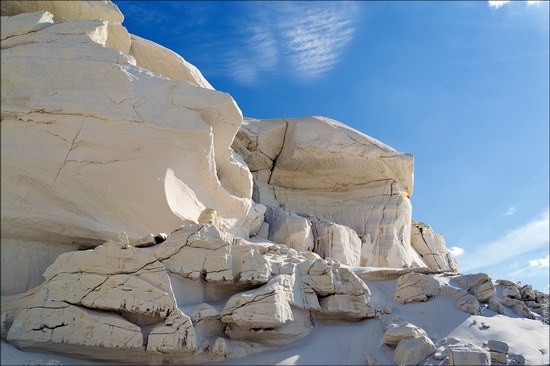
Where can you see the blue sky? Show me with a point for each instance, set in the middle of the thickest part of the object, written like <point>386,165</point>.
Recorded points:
<point>464,86</point>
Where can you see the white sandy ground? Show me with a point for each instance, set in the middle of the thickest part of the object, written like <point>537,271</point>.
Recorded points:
<point>332,342</point>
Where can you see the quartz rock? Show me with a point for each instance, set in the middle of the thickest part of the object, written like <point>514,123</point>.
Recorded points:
<point>497,346</point>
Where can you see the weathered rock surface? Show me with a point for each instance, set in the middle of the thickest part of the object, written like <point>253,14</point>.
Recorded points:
<point>431,247</point>
<point>468,354</point>
<point>323,168</point>
<point>289,228</point>
<point>162,61</point>
<point>414,287</point>
<point>480,285</point>
<point>396,332</point>
<point>103,108</point>
<point>411,351</point>
<point>118,36</point>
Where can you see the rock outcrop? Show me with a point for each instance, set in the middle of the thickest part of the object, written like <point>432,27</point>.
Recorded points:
<point>144,221</point>
<point>109,123</point>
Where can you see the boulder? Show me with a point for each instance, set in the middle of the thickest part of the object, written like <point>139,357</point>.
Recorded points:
<point>469,304</point>
<point>336,241</point>
<point>396,332</point>
<point>467,354</point>
<point>480,285</point>
<point>412,351</point>
<point>497,346</point>
<point>415,287</point>
<point>287,227</point>
<point>270,314</point>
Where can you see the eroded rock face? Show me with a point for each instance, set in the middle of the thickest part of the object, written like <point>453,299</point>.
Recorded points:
<point>431,247</point>
<point>480,285</point>
<point>414,287</point>
<point>323,168</point>
<point>108,123</point>
<point>396,332</point>
<point>411,351</point>
<point>468,354</point>
<point>63,11</point>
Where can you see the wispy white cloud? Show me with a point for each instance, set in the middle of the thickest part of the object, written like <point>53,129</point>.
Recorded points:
<point>497,3</point>
<point>261,55</point>
<point>315,37</point>
<point>456,251</point>
<point>511,210</point>
<point>305,39</point>
<point>540,262</point>
<point>531,236</point>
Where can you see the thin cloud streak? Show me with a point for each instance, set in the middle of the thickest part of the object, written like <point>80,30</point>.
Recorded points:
<point>497,3</point>
<point>524,239</point>
<point>315,38</point>
<point>308,40</point>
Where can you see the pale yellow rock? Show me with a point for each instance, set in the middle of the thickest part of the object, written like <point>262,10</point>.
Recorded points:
<point>162,61</point>
<point>431,247</point>
<point>469,304</point>
<point>336,241</point>
<point>175,335</point>
<point>328,170</point>
<point>412,351</point>
<point>415,287</point>
<point>77,10</point>
<point>61,325</point>
<point>289,228</point>
<point>480,285</point>
<point>467,354</point>
<point>395,332</point>
<point>108,121</point>
<point>24,23</point>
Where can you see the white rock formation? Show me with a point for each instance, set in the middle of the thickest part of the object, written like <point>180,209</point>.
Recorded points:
<point>480,285</point>
<point>468,354</point>
<point>431,247</point>
<point>321,167</point>
<point>62,11</point>
<point>396,332</point>
<point>276,227</point>
<point>411,351</point>
<point>89,138</point>
<point>414,287</point>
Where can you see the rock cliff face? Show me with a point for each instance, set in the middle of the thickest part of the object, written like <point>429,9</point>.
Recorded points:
<point>141,216</point>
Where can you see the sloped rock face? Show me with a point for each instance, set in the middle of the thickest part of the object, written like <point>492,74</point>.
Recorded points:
<point>121,298</point>
<point>321,168</point>
<point>118,36</point>
<point>431,247</point>
<point>114,148</point>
